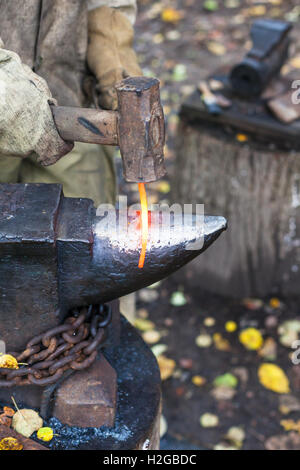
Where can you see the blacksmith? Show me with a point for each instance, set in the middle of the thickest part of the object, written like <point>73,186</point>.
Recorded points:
<point>66,52</point>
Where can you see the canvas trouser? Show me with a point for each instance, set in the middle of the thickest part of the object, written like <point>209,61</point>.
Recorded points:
<point>87,171</point>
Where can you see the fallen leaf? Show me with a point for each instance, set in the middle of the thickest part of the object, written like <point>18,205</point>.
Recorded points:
<point>241,138</point>
<point>288,403</point>
<point>26,422</point>
<point>290,425</point>
<point>226,380</point>
<point>221,343</point>
<point>177,299</point>
<point>289,441</point>
<point>151,337</point>
<point>274,303</point>
<point>269,349</point>
<point>242,374</point>
<point>289,332</point>
<point>230,326</point>
<point>251,338</point>
<point>257,10</point>
<point>232,3</point>
<point>170,15</point>
<point>252,304</point>
<point>166,367</point>
<point>273,378</point>
<point>10,443</point>
<point>159,349</point>
<point>143,324</point>
<point>8,411</point>
<point>211,5</point>
<point>222,446</point>
<point>203,341</point>
<point>216,48</point>
<point>179,73</point>
<point>8,362</point>
<point>208,420</point>
<point>45,434</point>
<point>198,380</point>
<point>148,295</point>
<point>295,62</point>
<point>236,436</point>
<point>186,363</point>
<point>209,321</point>
<point>163,187</point>
<point>142,313</point>
<point>223,393</point>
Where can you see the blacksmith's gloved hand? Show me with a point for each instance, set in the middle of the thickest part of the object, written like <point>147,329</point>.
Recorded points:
<point>26,122</point>
<point>110,52</point>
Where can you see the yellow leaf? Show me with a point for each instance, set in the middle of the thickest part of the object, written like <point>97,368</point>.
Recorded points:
<point>45,434</point>
<point>143,324</point>
<point>198,380</point>
<point>170,15</point>
<point>230,326</point>
<point>10,443</point>
<point>8,411</point>
<point>216,48</point>
<point>257,10</point>
<point>295,62</point>
<point>166,367</point>
<point>221,343</point>
<point>273,378</point>
<point>274,302</point>
<point>241,137</point>
<point>251,338</point>
<point>290,425</point>
<point>164,187</point>
<point>8,362</point>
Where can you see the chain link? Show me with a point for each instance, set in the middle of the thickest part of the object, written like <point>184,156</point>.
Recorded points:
<point>72,345</point>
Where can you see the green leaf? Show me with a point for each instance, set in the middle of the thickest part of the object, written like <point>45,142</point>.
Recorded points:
<point>211,5</point>
<point>177,299</point>
<point>227,380</point>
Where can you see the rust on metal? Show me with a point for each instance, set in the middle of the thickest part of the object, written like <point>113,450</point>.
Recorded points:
<point>73,345</point>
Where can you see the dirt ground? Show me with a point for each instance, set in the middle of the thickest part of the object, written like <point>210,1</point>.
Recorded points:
<point>180,52</point>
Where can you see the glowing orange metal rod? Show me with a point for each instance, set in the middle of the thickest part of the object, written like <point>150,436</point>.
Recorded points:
<point>144,216</point>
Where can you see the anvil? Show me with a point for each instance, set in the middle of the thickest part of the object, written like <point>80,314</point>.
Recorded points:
<point>57,253</point>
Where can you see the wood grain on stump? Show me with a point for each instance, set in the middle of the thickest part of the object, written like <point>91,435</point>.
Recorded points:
<point>258,191</point>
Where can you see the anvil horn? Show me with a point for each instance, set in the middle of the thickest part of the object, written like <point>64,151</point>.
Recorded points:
<point>56,254</point>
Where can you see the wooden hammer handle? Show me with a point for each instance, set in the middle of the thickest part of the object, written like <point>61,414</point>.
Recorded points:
<point>93,126</point>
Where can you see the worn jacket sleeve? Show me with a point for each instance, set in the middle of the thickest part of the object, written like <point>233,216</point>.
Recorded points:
<point>26,122</point>
<point>128,7</point>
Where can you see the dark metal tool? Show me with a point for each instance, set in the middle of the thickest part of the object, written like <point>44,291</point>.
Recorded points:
<point>269,51</point>
<point>56,254</point>
<point>137,127</point>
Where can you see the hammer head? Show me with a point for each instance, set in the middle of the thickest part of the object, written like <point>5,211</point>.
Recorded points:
<point>141,129</point>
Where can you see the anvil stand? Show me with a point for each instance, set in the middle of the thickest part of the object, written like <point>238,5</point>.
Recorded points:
<point>113,404</point>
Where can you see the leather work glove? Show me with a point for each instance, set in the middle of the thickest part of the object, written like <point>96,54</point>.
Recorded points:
<point>26,122</point>
<point>110,54</point>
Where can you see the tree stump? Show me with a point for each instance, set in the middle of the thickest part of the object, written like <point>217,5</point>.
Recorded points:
<point>257,189</point>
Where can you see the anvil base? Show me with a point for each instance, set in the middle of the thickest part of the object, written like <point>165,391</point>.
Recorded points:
<point>138,402</point>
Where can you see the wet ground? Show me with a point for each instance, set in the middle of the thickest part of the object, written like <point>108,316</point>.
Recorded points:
<point>180,52</point>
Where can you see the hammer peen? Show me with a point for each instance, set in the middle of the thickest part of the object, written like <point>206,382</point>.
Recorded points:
<point>137,127</point>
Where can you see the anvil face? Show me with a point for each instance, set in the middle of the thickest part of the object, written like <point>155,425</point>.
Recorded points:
<point>56,254</point>
<point>172,243</point>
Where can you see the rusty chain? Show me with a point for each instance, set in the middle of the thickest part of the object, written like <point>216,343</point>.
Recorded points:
<point>71,345</point>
